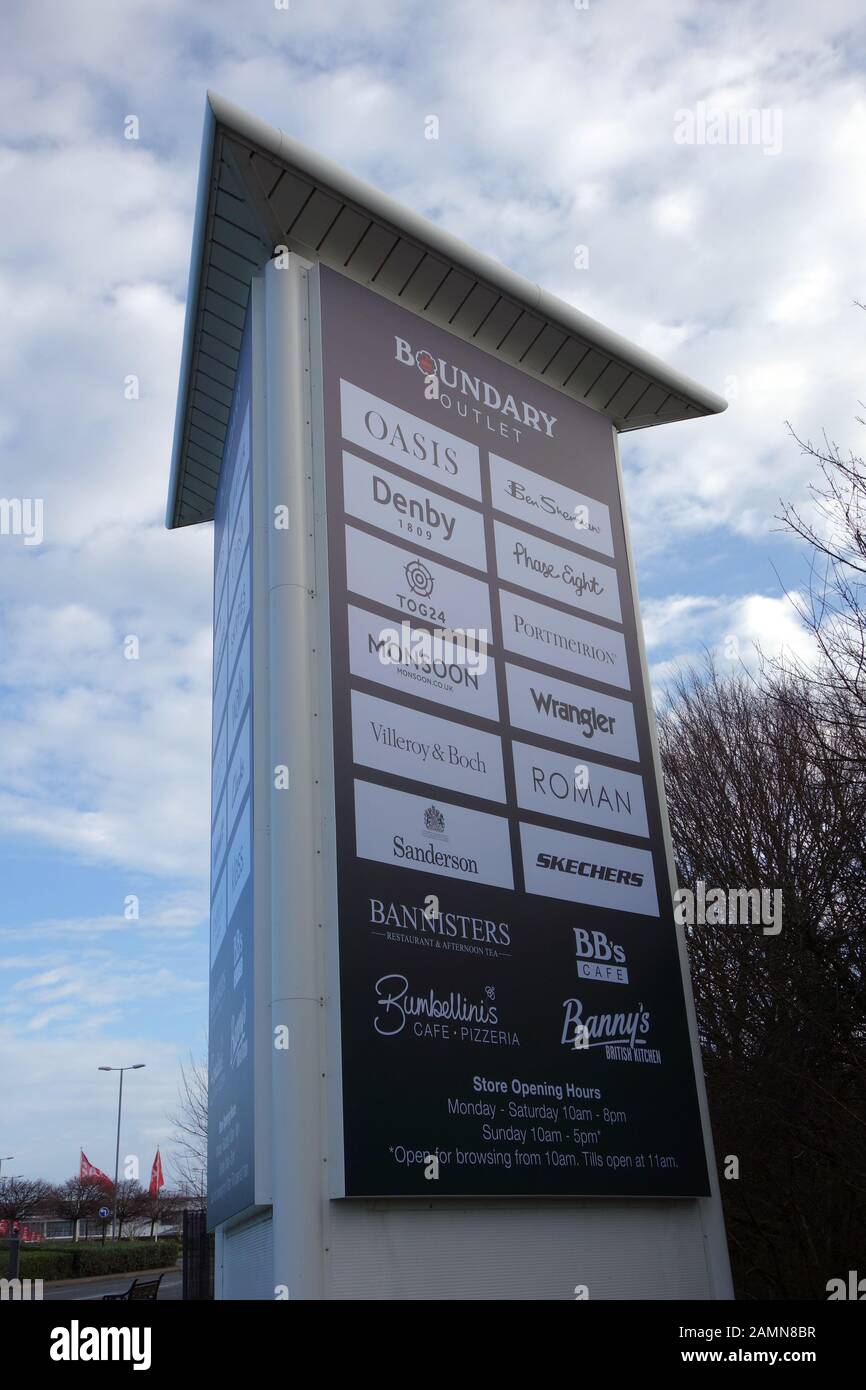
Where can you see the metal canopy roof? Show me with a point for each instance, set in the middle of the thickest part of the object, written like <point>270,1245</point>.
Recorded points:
<point>259,188</point>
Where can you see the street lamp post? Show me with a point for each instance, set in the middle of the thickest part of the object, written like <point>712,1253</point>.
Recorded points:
<point>5,1159</point>
<point>136,1066</point>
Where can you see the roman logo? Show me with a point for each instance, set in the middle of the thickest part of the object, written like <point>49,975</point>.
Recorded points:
<point>629,877</point>
<point>563,788</point>
<point>484,392</point>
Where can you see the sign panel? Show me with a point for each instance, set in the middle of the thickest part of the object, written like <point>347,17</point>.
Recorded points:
<point>230,1041</point>
<point>511,1004</point>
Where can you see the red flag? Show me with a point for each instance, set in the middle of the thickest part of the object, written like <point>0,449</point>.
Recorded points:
<point>88,1173</point>
<point>156,1179</point>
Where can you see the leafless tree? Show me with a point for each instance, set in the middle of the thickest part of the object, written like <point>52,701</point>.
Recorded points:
<point>77,1199</point>
<point>20,1198</point>
<point>761,795</point>
<point>190,1129</point>
<point>132,1203</point>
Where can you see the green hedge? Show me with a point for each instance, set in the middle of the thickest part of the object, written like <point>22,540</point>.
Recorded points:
<point>89,1258</point>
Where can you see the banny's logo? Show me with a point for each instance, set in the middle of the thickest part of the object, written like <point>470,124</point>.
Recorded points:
<point>434,821</point>
<point>419,578</point>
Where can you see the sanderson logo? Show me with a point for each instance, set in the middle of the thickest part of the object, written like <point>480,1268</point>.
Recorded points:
<point>483,392</point>
<point>434,821</point>
<point>434,826</point>
<point>584,869</point>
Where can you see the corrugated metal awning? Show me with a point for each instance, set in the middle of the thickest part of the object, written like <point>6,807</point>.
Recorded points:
<point>258,188</point>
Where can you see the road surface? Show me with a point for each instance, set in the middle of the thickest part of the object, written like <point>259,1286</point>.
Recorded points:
<point>90,1290</point>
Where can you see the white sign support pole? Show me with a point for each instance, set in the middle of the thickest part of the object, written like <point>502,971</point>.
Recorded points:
<point>296,1004</point>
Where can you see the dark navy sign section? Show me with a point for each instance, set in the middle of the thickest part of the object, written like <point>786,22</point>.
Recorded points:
<point>512,1009</point>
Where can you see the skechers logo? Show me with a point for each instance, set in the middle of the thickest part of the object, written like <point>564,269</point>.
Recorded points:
<point>584,869</point>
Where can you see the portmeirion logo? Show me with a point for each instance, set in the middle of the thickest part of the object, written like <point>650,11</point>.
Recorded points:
<point>473,398</point>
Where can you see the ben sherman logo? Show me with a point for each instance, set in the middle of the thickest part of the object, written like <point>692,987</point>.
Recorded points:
<point>473,388</point>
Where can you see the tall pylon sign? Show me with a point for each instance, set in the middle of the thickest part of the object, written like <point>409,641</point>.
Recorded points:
<point>445,974</point>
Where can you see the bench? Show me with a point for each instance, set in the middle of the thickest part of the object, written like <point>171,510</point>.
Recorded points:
<point>139,1290</point>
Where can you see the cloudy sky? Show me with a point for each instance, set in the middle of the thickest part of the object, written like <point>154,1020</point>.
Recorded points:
<point>558,129</point>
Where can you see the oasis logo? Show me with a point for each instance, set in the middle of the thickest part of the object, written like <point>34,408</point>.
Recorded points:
<point>584,869</point>
<point>598,959</point>
<point>588,717</point>
<point>473,388</point>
